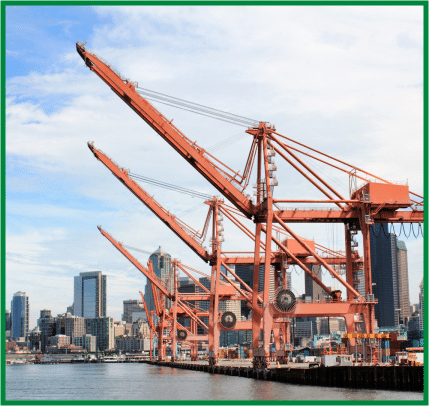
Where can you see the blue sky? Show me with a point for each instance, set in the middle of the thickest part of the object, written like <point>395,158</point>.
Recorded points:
<point>345,80</point>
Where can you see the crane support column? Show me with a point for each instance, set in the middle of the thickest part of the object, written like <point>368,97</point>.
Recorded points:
<point>174,327</point>
<point>349,264</point>
<point>214,291</point>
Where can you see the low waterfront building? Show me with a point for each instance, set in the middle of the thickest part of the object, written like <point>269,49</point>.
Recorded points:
<point>60,340</point>
<point>132,344</point>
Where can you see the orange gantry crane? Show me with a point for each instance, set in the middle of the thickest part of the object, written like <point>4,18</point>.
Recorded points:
<point>376,201</point>
<point>292,254</point>
<point>180,307</point>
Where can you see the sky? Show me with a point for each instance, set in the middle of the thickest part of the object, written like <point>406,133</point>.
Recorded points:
<point>347,81</point>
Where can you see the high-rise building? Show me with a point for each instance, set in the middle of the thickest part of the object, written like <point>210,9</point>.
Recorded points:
<point>8,324</point>
<point>421,306</point>
<point>47,326</point>
<point>90,295</point>
<point>359,281</point>
<point>389,272</point>
<point>161,263</point>
<point>131,306</point>
<point>233,306</point>
<point>312,289</point>
<point>20,312</point>
<point>102,328</point>
<point>74,326</point>
<point>34,339</point>
<point>187,285</point>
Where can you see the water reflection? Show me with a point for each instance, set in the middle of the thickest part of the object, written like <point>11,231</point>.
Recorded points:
<point>148,382</point>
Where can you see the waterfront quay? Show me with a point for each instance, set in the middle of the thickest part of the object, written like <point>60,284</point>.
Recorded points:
<point>397,377</point>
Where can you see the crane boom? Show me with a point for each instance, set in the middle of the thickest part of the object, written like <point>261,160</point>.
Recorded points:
<point>149,320</point>
<point>223,180</point>
<point>136,263</point>
<point>179,228</point>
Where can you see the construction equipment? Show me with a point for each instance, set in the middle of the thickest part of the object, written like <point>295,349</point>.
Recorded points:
<point>376,201</point>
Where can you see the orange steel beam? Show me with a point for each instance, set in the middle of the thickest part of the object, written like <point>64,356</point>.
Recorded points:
<point>334,309</point>
<point>250,290</point>
<point>306,166</point>
<point>244,294</point>
<point>339,216</point>
<point>278,259</point>
<point>201,273</point>
<point>195,280</point>
<point>136,263</point>
<point>191,315</point>
<point>190,151</point>
<point>182,230</point>
<point>241,226</point>
<point>303,267</point>
<point>320,259</point>
<point>308,177</point>
<point>156,293</point>
<point>149,319</point>
<point>335,159</point>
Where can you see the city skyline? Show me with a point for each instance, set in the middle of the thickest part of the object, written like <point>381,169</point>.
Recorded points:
<point>352,92</point>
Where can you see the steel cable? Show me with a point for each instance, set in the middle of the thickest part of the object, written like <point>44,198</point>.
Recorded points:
<point>193,111</point>
<point>405,232</point>
<point>384,231</point>
<point>400,230</point>
<point>412,228</point>
<point>373,232</point>
<point>192,104</point>
<point>226,142</point>
<point>197,108</point>
<point>170,186</point>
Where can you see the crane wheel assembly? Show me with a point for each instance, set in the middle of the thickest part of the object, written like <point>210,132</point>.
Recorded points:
<point>228,320</point>
<point>285,300</point>
<point>182,335</point>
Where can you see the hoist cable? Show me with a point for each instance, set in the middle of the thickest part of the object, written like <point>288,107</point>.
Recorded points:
<point>373,231</point>
<point>412,227</point>
<point>384,232</point>
<point>400,229</point>
<point>201,114</point>
<point>137,249</point>
<point>226,142</point>
<point>170,186</point>
<point>198,108</point>
<point>193,105</point>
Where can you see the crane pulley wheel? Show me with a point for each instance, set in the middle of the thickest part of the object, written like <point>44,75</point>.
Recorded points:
<point>182,334</point>
<point>228,320</point>
<point>285,300</point>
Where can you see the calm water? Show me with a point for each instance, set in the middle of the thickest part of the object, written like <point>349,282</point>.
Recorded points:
<point>149,382</point>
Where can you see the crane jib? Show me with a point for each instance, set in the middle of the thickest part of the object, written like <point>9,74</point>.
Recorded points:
<point>190,151</point>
